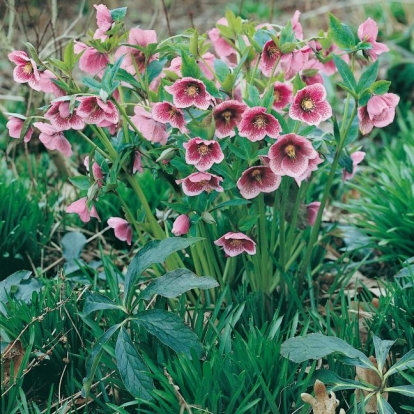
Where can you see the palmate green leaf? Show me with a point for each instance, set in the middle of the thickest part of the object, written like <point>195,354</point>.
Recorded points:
<point>171,330</point>
<point>340,34</point>
<point>176,282</point>
<point>383,406</point>
<point>345,72</point>
<point>407,361</point>
<point>132,369</point>
<point>407,390</point>
<point>382,348</point>
<point>96,301</point>
<point>317,346</point>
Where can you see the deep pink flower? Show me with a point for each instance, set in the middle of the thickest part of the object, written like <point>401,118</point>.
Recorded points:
<point>256,124</point>
<point>227,115</point>
<point>81,207</point>
<point>312,210</point>
<point>203,153</point>
<point>122,229</point>
<point>150,129</point>
<point>379,112</point>
<point>312,166</point>
<point>270,57</point>
<point>165,112</point>
<point>181,225</point>
<point>236,243</point>
<point>357,158</point>
<point>137,165</point>
<point>283,93</point>
<point>92,61</point>
<point>95,111</point>
<point>62,119</point>
<point>189,91</point>
<point>310,105</point>
<point>290,155</point>
<point>256,180</point>
<point>53,139</point>
<point>198,182</point>
<point>26,70</point>
<point>15,125</point>
<point>368,32</point>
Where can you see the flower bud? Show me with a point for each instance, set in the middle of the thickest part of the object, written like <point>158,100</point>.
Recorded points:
<point>181,225</point>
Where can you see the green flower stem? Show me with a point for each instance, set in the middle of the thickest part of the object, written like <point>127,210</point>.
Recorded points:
<point>252,280</point>
<point>282,223</point>
<point>94,146</point>
<point>121,109</point>
<point>124,124</point>
<point>229,270</point>
<point>215,269</point>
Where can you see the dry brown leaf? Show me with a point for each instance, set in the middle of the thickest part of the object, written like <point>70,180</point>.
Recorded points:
<point>12,355</point>
<point>322,403</point>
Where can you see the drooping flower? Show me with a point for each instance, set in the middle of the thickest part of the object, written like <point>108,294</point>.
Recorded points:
<point>103,20</point>
<point>188,91</point>
<point>283,95</point>
<point>53,139</point>
<point>236,243</point>
<point>92,61</point>
<point>257,124</point>
<point>181,225</point>
<point>293,62</point>
<point>368,32</point>
<point>310,105</point>
<point>290,155</point>
<point>80,207</point>
<point>310,73</point>
<point>26,69</point>
<point>62,119</point>
<point>228,115</point>
<point>271,56</point>
<point>296,26</point>
<point>96,170</point>
<point>198,182</point>
<point>150,129</point>
<point>15,125</point>
<point>94,110</point>
<point>379,112</point>
<point>312,210</point>
<point>165,112</point>
<point>47,85</point>
<point>221,46</point>
<point>137,164</point>
<point>357,158</point>
<point>202,153</point>
<point>122,229</point>
<point>256,180</point>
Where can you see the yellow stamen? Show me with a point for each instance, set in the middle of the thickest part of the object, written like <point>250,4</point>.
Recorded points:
<point>290,151</point>
<point>307,104</point>
<point>227,115</point>
<point>236,242</point>
<point>257,175</point>
<point>28,68</point>
<point>273,51</point>
<point>192,90</point>
<point>203,149</point>
<point>277,96</point>
<point>260,122</point>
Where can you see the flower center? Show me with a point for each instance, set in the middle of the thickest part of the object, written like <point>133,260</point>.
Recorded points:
<point>277,96</point>
<point>236,242</point>
<point>172,112</point>
<point>273,51</point>
<point>28,68</point>
<point>260,121</point>
<point>192,90</point>
<point>203,149</point>
<point>257,175</point>
<point>290,151</point>
<point>307,104</point>
<point>227,115</point>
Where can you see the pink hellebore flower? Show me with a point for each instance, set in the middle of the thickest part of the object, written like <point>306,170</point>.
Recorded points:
<point>181,225</point>
<point>150,129</point>
<point>93,61</point>
<point>222,48</point>
<point>202,153</point>
<point>26,70</point>
<point>198,182</point>
<point>368,32</point>
<point>293,62</point>
<point>296,26</point>
<point>62,119</point>
<point>165,112</point>
<point>94,110</point>
<point>379,112</point>
<point>53,139</point>
<point>15,126</point>
<point>81,207</point>
<point>312,210</point>
<point>187,92</point>
<point>96,170</point>
<point>103,20</point>
<point>257,124</point>
<point>312,166</point>
<point>283,95</point>
<point>290,155</point>
<point>227,115</point>
<point>271,56</point>
<point>137,165</point>
<point>236,243</point>
<point>310,105</point>
<point>122,229</point>
<point>357,158</point>
<point>256,180</point>
<point>206,65</point>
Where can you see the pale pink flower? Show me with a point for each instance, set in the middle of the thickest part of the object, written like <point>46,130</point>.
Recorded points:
<point>257,124</point>
<point>357,158</point>
<point>312,166</point>
<point>310,105</point>
<point>290,155</point>
<point>62,119</point>
<point>222,48</point>
<point>165,112</point>
<point>80,207</point>
<point>150,129</point>
<point>283,95</point>
<point>368,32</point>
<point>293,62</point>
<point>310,73</point>
<point>122,229</point>
<point>181,225</point>
<point>206,65</point>
<point>236,243</point>
<point>103,17</point>
<point>187,92</point>
<point>256,180</point>
<point>312,210</point>
<point>198,182</point>
<point>53,139</point>
<point>228,115</point>
<point>96,170</point>
<point>15,125</point>
<point>202,153</point>
<point>137,164</point>
<point>379,112</point>
<point>296,26</point>
<point>26,69</point>
<point>94,110</point>
<point>92,61</point>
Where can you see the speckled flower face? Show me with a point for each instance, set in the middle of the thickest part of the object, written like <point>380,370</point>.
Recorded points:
<point>256,124</point>
<point>256,180</point>
<point>198,182</point>
<point>236,243</point>
<point>202,153</point>
<point>228,115</point>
